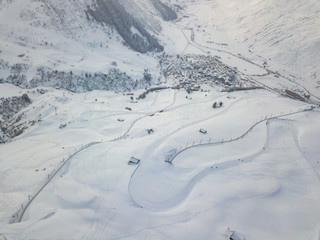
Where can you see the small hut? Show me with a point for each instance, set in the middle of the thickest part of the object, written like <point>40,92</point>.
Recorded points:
<point>236,236</point>
<point>214,105</point>
<point>134,161</point>
<point>203,131</point>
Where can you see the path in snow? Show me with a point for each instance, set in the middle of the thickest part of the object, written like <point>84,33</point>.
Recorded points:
<point>164,187</point>
<point>18,216</point>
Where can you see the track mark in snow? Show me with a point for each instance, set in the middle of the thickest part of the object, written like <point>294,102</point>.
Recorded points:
<point>298,145</point>
<point>168,186</point>
<point>173,185</point>
<point>18,216</point>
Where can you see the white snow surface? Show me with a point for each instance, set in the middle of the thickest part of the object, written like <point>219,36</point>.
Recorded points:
<point>46,34</point>
<point>284,34</point>
<point>260,184</point>
<point>265,184</point>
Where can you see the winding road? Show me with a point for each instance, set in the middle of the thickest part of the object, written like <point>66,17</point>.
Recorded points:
<point>18,216</point>
<point>179,182</point>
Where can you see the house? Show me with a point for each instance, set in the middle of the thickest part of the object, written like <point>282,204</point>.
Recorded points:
<point>133,161</point>
<point>294,95</point>
<point>214,105</point>
<point>203,131</point>
<point>237,236</point>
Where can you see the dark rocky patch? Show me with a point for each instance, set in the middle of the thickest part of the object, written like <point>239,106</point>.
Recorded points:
<point>114,80</point>
<point>166,12</point>
<point>112,13</point>
<point>11,106</point>
<point>9,109</point>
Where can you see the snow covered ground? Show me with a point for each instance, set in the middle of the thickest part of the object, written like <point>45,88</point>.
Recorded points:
<point>284,35</point>
<point>255,171</point>
<point>265,184</point>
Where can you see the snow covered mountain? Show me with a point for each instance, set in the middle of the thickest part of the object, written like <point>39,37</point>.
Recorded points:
<point>159,119</point>
<point>80,45</point>
<point>285,33</point>
<point>44,43</point>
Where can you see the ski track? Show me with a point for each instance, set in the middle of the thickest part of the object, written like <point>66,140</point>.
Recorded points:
<point>297,143</point>
<point>206,172</point>
<point>163,139</point>
<point>237,138</point>
<point>203,173</point>
<point>95,227</point>
<point>103,213</point>
<point>96,230</point>
<point>20,213</point>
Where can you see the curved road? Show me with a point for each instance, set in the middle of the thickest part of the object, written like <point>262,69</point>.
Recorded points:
<point>163,203</point>
<point>18,216</point>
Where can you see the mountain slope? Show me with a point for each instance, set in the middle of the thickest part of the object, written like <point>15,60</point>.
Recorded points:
<point>81,41</point>
<point>225,130</point>
<point>285,33</point>
<point>94,36</point>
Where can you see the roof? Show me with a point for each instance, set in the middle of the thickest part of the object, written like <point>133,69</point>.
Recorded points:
<point>236,236</point>
<point>134,160</point>
<point>202,130</point>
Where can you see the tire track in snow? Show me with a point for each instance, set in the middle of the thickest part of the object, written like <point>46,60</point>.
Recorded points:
<point>238,138</point>
<point>159,141</point>
<point>21,212</point>
<point>145,116</point>
<point>298,145</point>
<point>18,216</point>
<point>198,177</point>
<point>103,214</point>
<point>186,190</point>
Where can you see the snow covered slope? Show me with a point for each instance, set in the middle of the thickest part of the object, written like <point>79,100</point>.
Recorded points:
<point>265,183</point>
<point>226,131</point>
<point>45,43</point>
<point>285,33</point>
<point>64,40</point>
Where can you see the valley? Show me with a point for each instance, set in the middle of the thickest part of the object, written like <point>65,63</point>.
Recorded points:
<point>189,131</point>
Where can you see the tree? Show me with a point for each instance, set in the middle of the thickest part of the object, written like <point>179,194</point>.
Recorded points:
<point>147,76</point>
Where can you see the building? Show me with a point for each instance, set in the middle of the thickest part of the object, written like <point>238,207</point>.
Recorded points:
<point>203,131</point>
<point>134,161</point>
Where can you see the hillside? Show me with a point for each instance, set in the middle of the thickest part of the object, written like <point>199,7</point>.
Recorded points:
<point>286,34</point>
<point>73,45</point>
<point>159,119</point>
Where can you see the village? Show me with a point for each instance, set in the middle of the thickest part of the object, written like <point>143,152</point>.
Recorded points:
<point>192,71</point>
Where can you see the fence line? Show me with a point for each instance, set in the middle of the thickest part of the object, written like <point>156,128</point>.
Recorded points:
<point>209,143</point>
<point>17,217</point>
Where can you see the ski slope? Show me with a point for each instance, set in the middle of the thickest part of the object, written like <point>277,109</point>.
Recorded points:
<point>238,185</point>
<point>255,172</point>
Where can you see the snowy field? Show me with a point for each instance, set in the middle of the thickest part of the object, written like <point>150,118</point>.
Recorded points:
<point>254,171</point>
<point>266,183</point>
